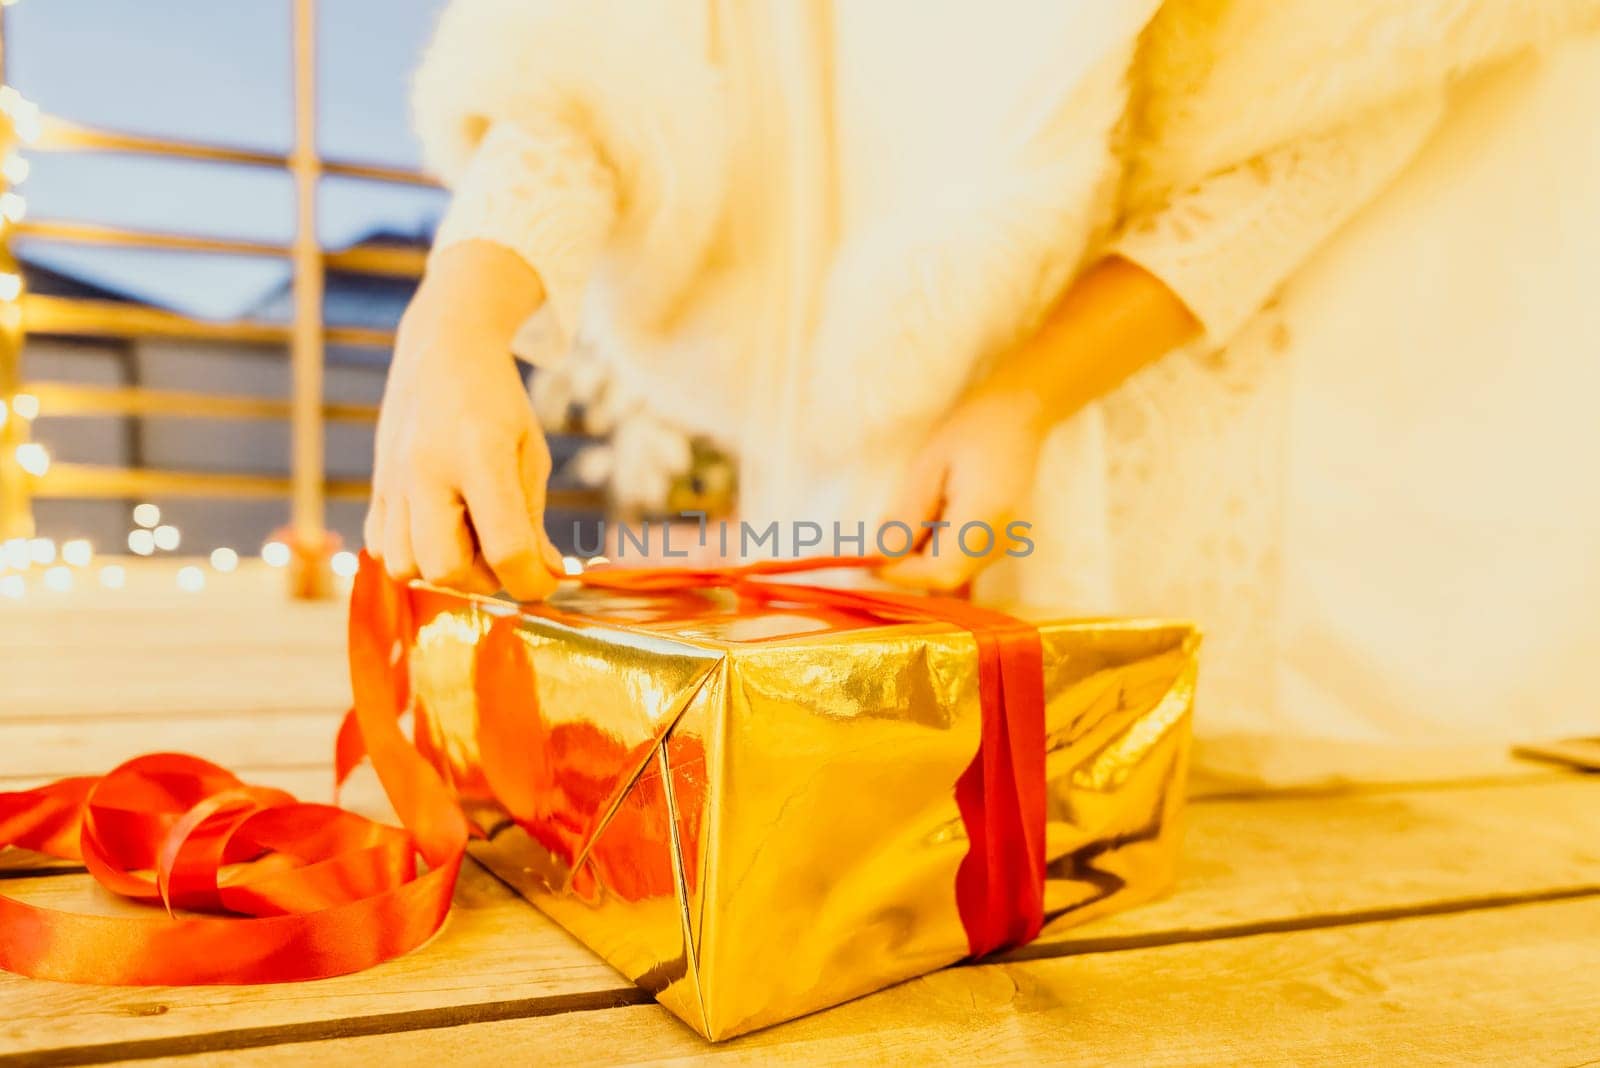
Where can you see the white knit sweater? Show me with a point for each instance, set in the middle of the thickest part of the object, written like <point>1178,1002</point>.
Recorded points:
<point>803,235</point>
<point>614,145</point>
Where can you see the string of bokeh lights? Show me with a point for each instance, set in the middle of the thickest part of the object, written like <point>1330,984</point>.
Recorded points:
<point>28,563</point>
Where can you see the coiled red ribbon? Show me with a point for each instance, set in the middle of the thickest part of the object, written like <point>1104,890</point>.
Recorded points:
<point>308,891</point>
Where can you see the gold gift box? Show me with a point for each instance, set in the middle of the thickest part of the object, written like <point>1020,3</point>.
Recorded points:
<point>749,810</point>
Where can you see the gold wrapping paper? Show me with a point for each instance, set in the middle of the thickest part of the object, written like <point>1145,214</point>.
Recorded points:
<point>754,812</point>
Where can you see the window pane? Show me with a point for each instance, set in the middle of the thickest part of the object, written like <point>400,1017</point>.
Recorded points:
<point>352,210</point>
<point>157,193</point>
<point>367,50</point>
<point>189,69</point>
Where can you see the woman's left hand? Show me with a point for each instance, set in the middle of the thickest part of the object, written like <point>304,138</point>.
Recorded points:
<point>967,486</point>
<point>979,466</point>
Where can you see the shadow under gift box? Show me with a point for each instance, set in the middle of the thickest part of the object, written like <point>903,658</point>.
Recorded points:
<point>749,810</point>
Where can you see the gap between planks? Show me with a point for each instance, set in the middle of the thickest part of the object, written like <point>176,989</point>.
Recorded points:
<point>333,1037</point>
<point>216,1042</point>
<point>1512,986</point>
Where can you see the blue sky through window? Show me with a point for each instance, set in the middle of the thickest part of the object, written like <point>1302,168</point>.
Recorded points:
<point>218,72</point>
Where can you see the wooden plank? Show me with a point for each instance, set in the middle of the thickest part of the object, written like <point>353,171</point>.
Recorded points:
<point>1241,765</point>
<point>1461,770</point>
<point>378,172</point>
<point>1259,864</point>
<point>100,318</point>
<point>239,674</point>
<point>72,317</point>
<point>394,261</point>
<point>307,496</point>
<point>494,955</point>
<point>151,690</point>
<point>240,647</point>
<point>1246,862</point>
<point>93,480</point>
<point>62,135</point>
<point>84,745</point>
<point>73,398</point>
<point>1511,985</point>
<point>80,233</point>
<point>385,260</point>
<point>362,336</point>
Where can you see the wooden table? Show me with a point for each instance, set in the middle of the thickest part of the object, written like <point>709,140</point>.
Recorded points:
<point>1445,921</point>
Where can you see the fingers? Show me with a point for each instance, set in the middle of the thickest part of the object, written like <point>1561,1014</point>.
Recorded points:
<point>372,528</point>
<point>950,558</point>
<point>397,556</point>
<point>533,468</point>
<point>944,572</point>
<point>920,499</point>
<point>481,579</point>
<point>921,496</point>
<point>442,541</point>
<point>501,515</point>
<point>478,578</point>
<point>942,561</point>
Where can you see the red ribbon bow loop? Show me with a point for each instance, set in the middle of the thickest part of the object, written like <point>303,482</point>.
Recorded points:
<point>272,889</point>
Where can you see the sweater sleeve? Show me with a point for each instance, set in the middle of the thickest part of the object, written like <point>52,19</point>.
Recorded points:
<point>587,136</point>
<point>1226,245</point>
<point>551,200</point>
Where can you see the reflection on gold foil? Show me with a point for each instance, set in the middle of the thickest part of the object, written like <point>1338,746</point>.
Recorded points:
<point>709,797</point>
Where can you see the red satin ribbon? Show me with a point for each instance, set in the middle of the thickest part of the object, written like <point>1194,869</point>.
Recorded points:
<point>313,890</point>
<point>316,891</point>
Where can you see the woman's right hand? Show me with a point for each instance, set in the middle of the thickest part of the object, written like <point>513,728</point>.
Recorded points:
<point>460,465</point>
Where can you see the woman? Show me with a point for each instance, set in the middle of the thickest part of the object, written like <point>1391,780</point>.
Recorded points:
<point>903,258</point>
